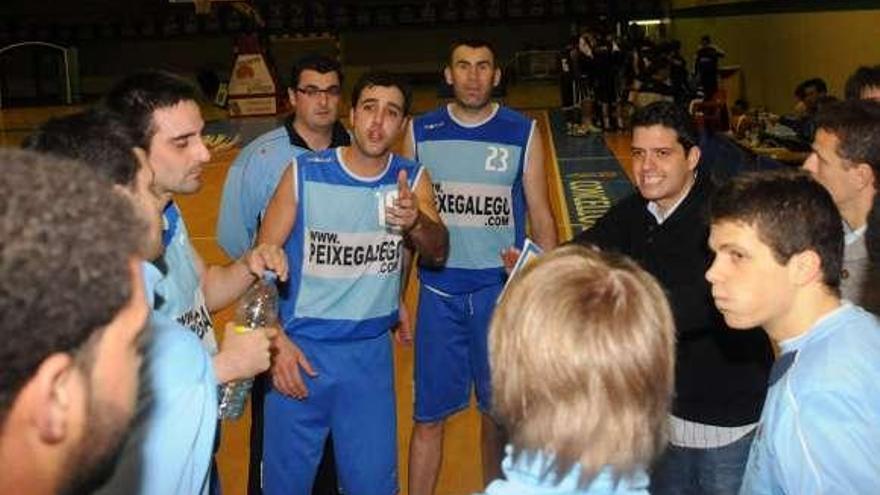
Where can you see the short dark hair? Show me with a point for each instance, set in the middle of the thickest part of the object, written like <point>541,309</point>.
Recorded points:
<point>384,79</point>
<point>790,212</point>
<point>816,82</point>
<point>137,96</point>
<point>856,124</point>
<point>66,240</point>
<point>96,137</point>
<point>472,43</point>
<point>321,64</point>
<point>863,78</point>
<point>671,115</point>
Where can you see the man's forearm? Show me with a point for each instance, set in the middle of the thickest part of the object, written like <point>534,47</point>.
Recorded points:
<point>430,240</point>
<point>222,285</point>
<point>544,233</point>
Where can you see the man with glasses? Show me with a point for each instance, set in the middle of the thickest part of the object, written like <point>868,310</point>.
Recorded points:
<point>314,94</point>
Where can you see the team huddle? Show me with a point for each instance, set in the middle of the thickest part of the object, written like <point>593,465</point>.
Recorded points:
<point>630,361</point>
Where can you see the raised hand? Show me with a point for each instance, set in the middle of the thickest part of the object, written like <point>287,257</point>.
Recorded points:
<point>405,210</point>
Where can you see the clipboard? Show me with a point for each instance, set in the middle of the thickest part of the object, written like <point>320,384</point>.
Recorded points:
<point>529,252</point>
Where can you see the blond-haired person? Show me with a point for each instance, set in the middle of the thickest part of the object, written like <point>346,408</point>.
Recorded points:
<point>582,353</point>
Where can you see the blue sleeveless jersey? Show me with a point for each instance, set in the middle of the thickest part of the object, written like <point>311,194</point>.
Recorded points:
<point>346,264</point>
<point>477,176</point>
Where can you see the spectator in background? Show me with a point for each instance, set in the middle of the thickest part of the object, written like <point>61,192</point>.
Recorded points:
<point>585,74</point>
<point>656,85</point>
<point>864,84</point>
<point>582,349</point>
<point>813,91</point>
<point>607,59</point>
<point>811,94</point>
<point>678,73</point>
<point>706,66</point>
<point>739,118</point>
<point>567,81</point>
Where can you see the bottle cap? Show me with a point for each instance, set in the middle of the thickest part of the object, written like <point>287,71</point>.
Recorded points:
<point>269,276</point>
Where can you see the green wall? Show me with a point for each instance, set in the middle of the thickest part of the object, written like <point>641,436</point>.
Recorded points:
<point>777,51</point>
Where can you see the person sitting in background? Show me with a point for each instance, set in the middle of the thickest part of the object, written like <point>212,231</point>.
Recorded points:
<point>807,94</point>
<point>811,94</point>
<point>582,351</point>
<point>739,118</point>
<point>864,84</point>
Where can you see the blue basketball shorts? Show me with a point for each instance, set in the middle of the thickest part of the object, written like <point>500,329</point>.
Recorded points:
<point>451,354</point>
<point>352,396</point>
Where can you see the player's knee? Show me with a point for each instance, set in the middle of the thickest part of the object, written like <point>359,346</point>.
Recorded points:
<point>428,430</point>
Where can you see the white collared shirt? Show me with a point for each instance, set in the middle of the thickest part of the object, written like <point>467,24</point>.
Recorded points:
<point>654,208</point>
<point>850,236</point>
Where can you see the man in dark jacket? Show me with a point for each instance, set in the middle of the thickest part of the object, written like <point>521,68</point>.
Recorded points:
<point>721,376</point>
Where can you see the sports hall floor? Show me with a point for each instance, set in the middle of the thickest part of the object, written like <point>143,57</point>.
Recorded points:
<point>590,157</point>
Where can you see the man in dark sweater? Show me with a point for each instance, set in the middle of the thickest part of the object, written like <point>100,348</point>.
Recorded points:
<point>721,376</point>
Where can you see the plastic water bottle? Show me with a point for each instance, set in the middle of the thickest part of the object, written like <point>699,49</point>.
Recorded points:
<point>258,308</point>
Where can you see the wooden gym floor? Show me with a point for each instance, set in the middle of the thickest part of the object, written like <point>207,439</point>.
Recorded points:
<point>460,472</point>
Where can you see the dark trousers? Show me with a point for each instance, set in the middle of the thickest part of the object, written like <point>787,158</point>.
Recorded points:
<point>325,479</point>
<point>718,471</point>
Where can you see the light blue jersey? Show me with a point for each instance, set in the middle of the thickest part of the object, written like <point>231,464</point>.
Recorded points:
<point>169,448</point>
<point>529,475</point>
<point>477,173</point>
<point>250,183</point>
<point>345,261</point>
<point>180,295</point>
<point>820,427</point>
